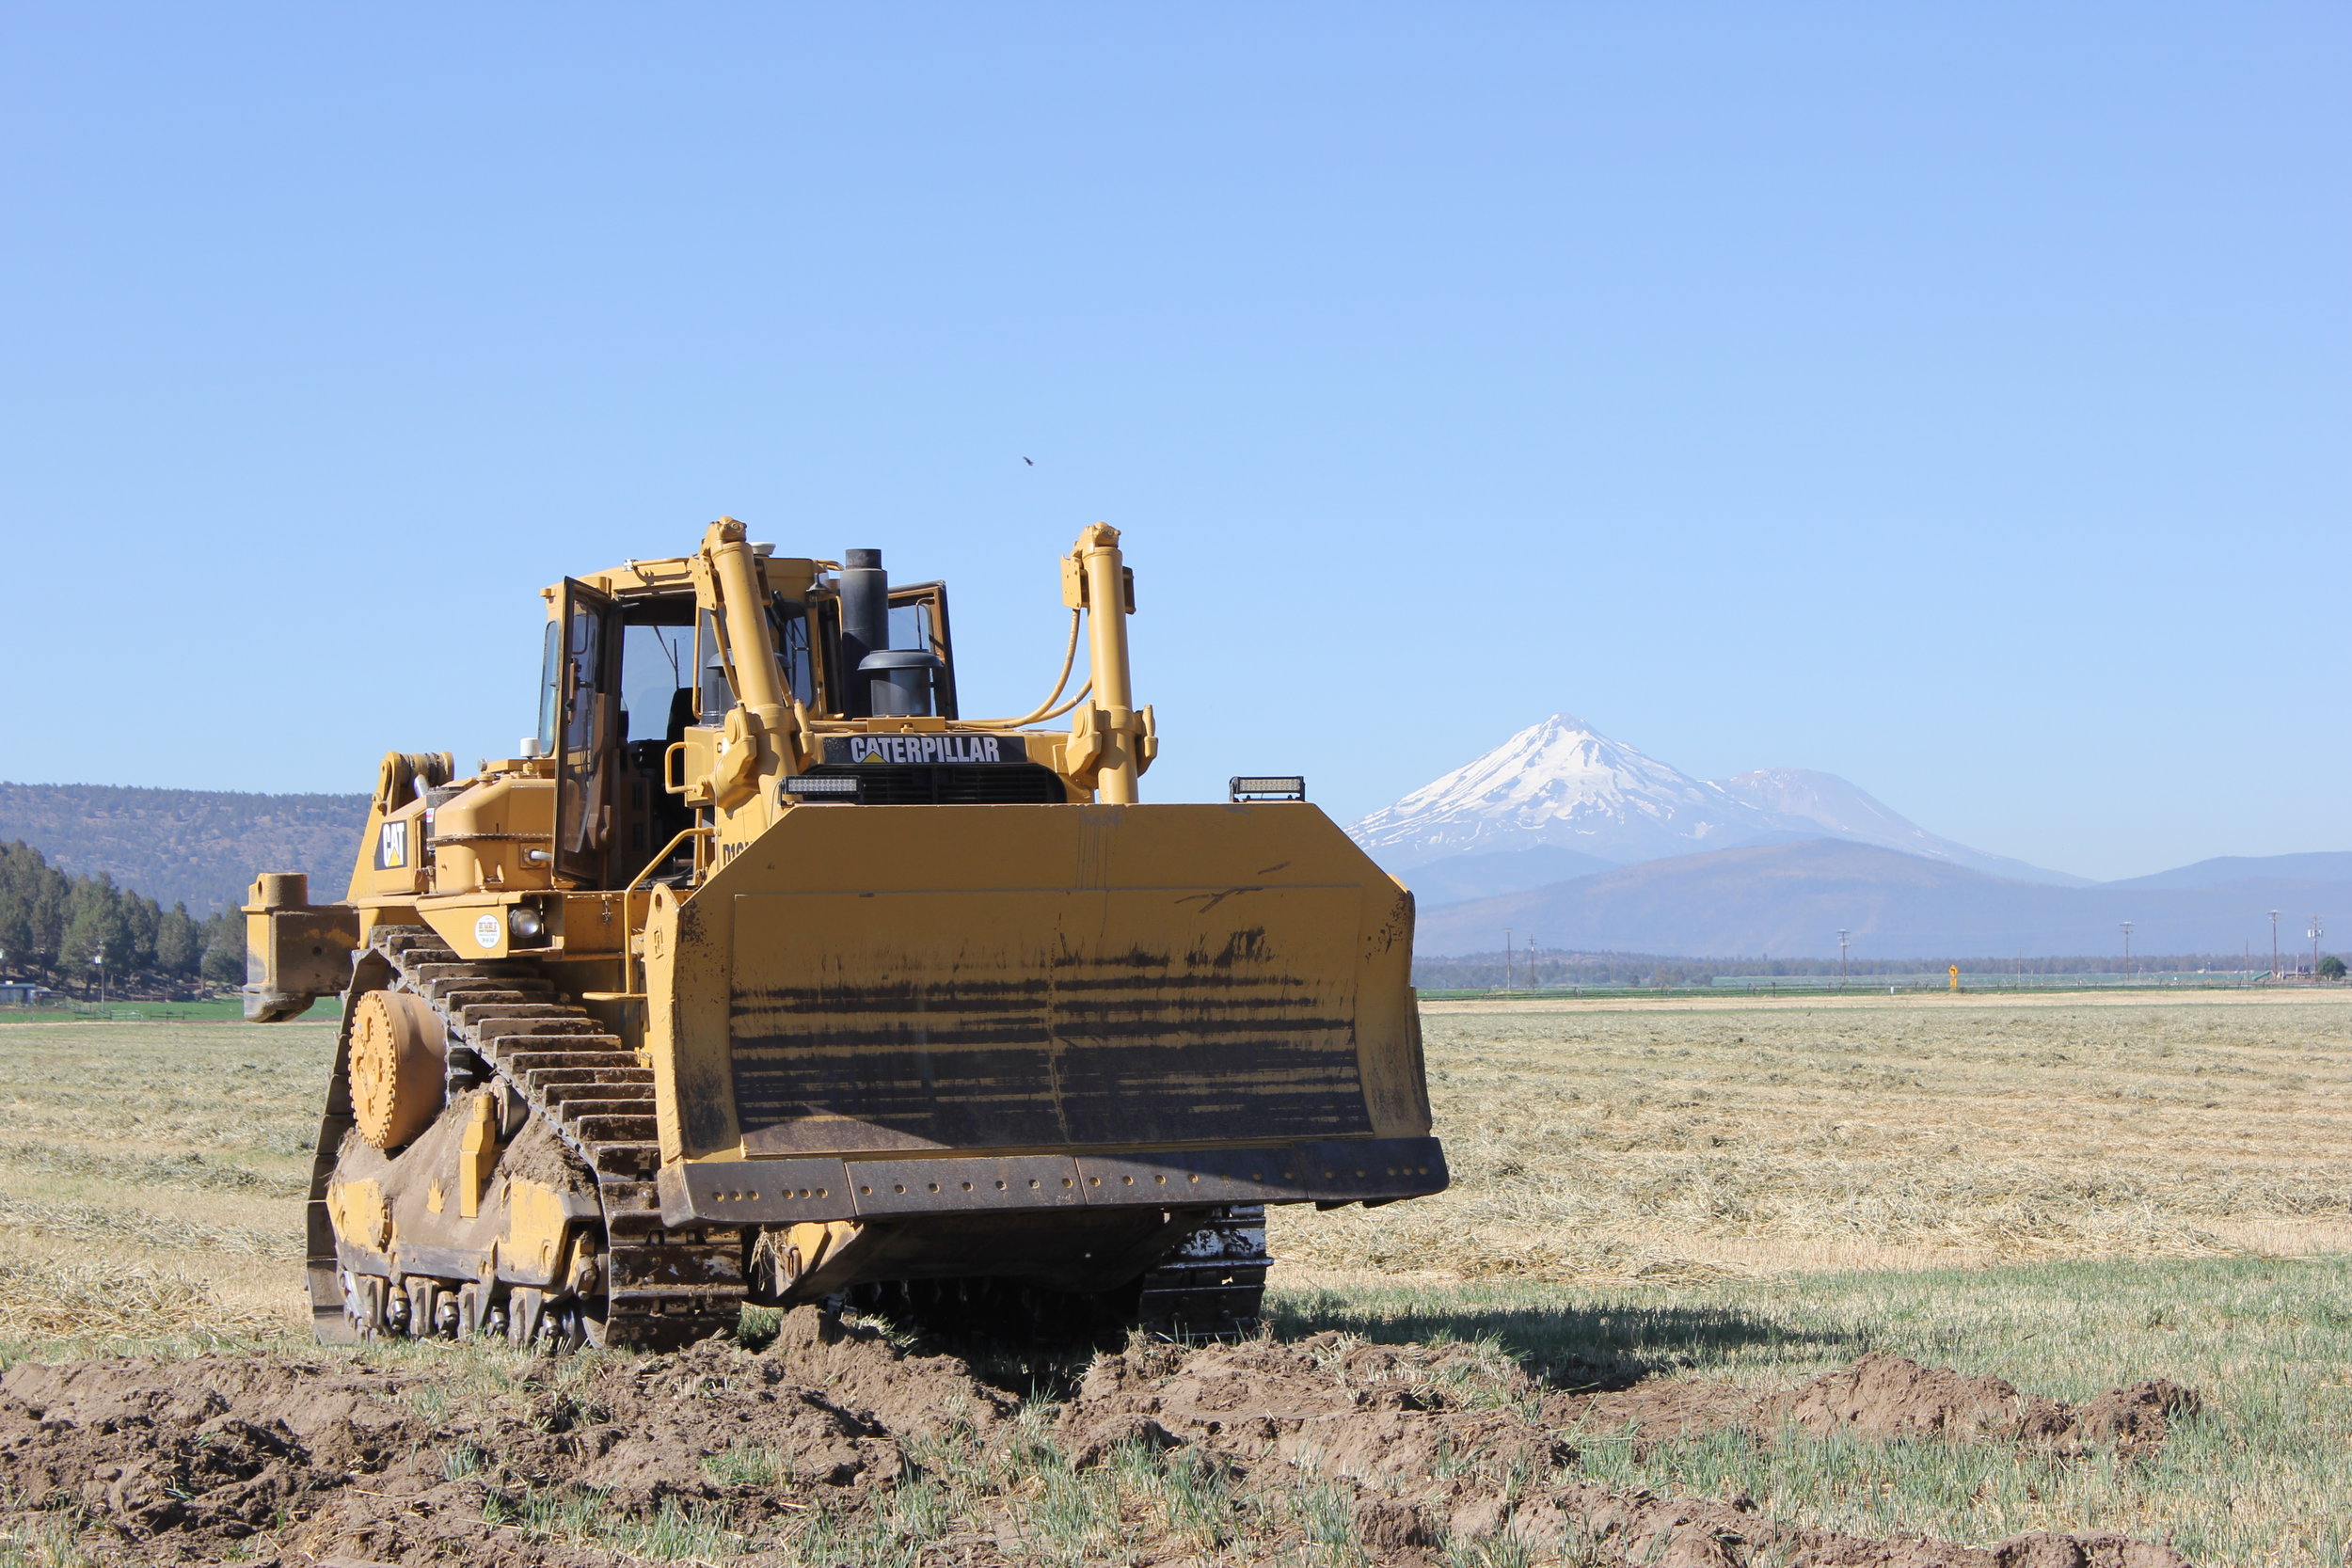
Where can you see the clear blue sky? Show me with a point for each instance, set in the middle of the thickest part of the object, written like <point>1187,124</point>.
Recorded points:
<point>1954,398</point>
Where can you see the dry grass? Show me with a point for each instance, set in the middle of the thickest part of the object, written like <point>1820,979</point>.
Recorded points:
<point>152,1181</point>
<point>1675,1144</point>
<point>1753,1191</point>
<point>1680,1144</point>
<point>63,1298</point>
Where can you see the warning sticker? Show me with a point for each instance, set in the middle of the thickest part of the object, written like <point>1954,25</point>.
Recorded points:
<point>488,930</point>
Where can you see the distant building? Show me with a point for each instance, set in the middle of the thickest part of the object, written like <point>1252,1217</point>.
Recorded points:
<point>23,991</point>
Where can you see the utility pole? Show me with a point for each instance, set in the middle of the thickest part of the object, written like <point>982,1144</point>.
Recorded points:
<point>1841,959</point>
<point>2127,952</point>
<point>1506,960</point>
<point>2317,931</point>
<point>99,959</point>
<point>2274,946</point>
<point>1532,984</point>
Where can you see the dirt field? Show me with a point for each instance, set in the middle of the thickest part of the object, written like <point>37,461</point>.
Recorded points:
<point>1687,1305</point>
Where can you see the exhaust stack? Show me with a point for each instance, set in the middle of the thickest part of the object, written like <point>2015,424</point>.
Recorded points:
<point>885,682</point>
<point>865,626</point>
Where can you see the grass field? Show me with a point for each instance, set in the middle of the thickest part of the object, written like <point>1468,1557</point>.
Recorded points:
<point>164,1163</point>
<point>2069,1195</point>
<point>1690,1141</point>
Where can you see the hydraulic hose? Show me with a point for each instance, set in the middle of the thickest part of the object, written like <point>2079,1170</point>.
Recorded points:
<point>1045,709</point>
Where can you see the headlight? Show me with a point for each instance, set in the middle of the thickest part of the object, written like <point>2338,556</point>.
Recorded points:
<point>525,924</point>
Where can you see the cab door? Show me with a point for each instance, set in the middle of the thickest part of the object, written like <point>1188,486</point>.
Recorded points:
<point>586,695</point>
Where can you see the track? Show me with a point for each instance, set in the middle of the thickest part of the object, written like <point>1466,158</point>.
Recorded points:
<point>1210,1287</point>
<point>654,1288</point>
<point>1213,1283</point>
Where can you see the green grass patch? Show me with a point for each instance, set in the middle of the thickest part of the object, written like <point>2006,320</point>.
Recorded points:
<point>2263,1475</point>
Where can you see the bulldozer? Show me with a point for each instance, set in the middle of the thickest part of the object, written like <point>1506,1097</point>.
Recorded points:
<point>763,976</point>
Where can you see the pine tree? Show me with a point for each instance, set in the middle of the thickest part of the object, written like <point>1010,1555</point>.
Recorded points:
<point>54,927</point>
<point>224,948</point>
<point>179,943</point>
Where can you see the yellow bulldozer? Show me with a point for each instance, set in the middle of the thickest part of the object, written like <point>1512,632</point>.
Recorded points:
<point>763,975</point>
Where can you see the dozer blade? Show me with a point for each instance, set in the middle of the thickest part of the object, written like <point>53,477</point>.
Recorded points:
<point>877,1011</point>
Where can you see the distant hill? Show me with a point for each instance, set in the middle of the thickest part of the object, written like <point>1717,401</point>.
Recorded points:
<point>196,847</point>
<point>1457,877</point>
<point>2321,865</point>
<point>1789,900</point>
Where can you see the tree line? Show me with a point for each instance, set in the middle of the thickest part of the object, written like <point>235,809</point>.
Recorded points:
<point>59,929</point>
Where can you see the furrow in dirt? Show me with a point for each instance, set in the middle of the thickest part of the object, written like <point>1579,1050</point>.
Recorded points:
<point>833,1435</point>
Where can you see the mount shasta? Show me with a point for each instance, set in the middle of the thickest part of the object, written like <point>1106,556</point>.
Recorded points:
<point>1563,785</point>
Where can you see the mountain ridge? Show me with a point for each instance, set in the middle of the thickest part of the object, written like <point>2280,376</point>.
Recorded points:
<point>1832,801</point>
<point>2316,865</point>
<point>197,847</point>
<point>1791,900</point>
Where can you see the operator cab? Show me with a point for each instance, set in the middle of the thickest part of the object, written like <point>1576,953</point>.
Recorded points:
<point>626,672</point>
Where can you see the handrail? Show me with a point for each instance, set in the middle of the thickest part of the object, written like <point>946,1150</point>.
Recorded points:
<point>628,934</point>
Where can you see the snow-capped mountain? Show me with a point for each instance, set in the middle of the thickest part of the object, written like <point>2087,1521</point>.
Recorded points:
<point>1563,785</point>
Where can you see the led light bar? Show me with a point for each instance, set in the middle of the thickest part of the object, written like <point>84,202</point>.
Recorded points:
<point>814,787</point>
<point>1252,788</point>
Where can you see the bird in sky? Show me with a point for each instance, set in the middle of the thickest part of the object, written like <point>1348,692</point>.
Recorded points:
<point>1032,462</point>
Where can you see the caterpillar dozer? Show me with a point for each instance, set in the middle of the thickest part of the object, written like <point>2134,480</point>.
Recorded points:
<point>763,975</point>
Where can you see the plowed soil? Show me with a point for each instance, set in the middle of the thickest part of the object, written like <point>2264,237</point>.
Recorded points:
<point>818,1448</point>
